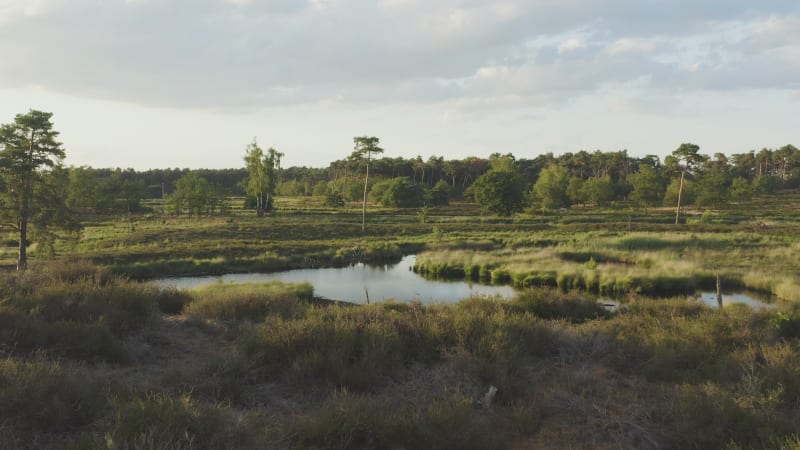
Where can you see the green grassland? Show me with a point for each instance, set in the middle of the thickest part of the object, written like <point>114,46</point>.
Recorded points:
<point>91,358</point>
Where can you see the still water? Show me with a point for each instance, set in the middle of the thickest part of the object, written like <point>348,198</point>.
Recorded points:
<point>710,299</point>
<point>354,283</point>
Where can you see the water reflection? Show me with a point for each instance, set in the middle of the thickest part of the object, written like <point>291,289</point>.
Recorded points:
<point>357,282</point>
<point>710,299</point>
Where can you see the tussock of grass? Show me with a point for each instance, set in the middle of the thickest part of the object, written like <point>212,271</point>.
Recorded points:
<point>357,421</point>
<point>251,301</point>
<point>163,421</point>
<point>44,396</point>
<point>342,346</point>
<point>81,311</point>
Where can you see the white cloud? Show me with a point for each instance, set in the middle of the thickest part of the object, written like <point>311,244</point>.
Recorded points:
<point>241,54</point>
<point>569,45</point>
<point>631,45</point>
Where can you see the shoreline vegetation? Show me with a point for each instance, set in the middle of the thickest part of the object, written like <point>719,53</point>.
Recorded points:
<point>91,358</point>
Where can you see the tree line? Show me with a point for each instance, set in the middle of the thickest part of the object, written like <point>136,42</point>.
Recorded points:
<point>39,195</point>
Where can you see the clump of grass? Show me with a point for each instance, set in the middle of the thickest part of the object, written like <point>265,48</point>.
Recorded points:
<point>82,312</point>
<point>162,421</point>
<point>357,421</point>
<point>172,301</point>
<point>706,416</point>
<point>251,301</point>
<point>551,305</point>
<point>342,346</point>
<point>44,396</point>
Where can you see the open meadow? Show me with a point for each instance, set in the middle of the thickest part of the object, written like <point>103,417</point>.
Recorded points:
<point>93,356</point>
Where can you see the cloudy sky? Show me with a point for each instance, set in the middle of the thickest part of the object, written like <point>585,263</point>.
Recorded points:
<point>189,83</point>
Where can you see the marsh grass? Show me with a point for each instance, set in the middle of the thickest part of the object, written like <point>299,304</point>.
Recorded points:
<point>615,264</point>
<point>251,301</point>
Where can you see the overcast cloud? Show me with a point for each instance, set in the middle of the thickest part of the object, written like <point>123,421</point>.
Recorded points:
<point>464,57</point>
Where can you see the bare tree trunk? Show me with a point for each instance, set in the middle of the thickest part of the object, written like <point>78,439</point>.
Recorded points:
<point>719,292</point>
<point>22,258</point>
<point>680,191</point>
<point>364,203</point>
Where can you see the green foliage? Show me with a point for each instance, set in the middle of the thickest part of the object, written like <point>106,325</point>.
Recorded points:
<point>599,190</point>
<point>575,191</point>
<point>550,188</point>
<point>648,189</point>
<point>500,192</point>
<point>334,199</point>
<point>713,189</point>
<point>741,189</point>
<point>262,175</point>
<point>403,193</point>
<point>29,160</point>
<point>194,195</point>
<point>439,194</point>
<point>688,195</point>
<point>766,184</point>
<point>365,147</point>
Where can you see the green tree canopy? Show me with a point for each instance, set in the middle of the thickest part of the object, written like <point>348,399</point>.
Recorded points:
<point>402,192</point>
<point>684,159</point>
<point>365,147</point>
<point>551,187</point>
<point>262,175</point>
<point>648,189</point>
<point>34,189</point>
<point>599,190</point>
<point>500,192</point>
<point>194,195</point>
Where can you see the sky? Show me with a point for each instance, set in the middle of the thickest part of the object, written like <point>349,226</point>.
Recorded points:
<point>189,83</point>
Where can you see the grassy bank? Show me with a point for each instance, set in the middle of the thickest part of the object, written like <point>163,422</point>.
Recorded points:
<point>616,263</point>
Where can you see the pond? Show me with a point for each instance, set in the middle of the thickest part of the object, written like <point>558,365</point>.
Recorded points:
<point>751,300</point>
<point>355,283</point>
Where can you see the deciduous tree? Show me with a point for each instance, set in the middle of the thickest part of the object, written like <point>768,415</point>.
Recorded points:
<point>551,187</point>
<point>501,192</point>
<point>262,175</point>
